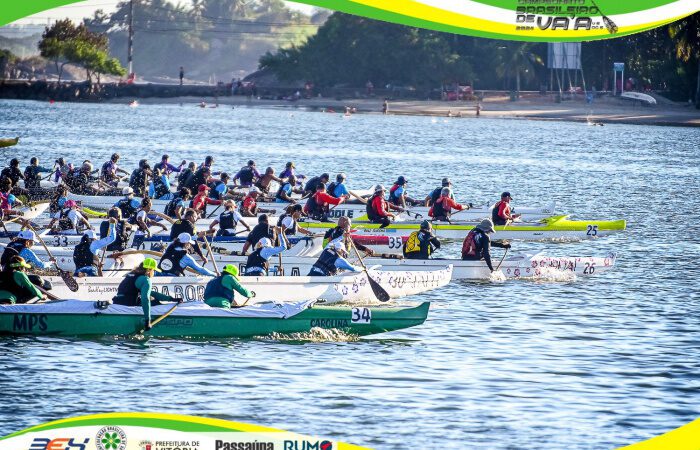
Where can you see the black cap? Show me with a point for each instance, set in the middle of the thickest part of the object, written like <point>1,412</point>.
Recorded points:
<point>401,180</point>
<point>505,194</point>
<point>251,162</point>
<point>262,218</point>
<point>225,175</point>
<point>446,181</point>
<point>297,207</point>
<point>326,176</point>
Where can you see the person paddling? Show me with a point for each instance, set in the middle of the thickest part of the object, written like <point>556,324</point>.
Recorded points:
<point>261,230</point>
<point>187,225</point>
<point>167,168</point>
<point>342,233</point>
<point>22,246</point>
<point>442,209</point>
<point>85,256</point>
<point>143,222</point>
<point>136,289</point>
<point>177,206</point>
<point>15,286</point>
<point>109,173</point>
<point>311,186</point>
<point>201,200</point>
<point>69,218</point>
<point>219,188</point>
<point>477,244</point>
<point>247,175</point>
<point>122,229</point>
<point>332,260</point>
<point>501,212</point>
<point>249,207</point>
<point>159,187</point>
<point>228,220</point>
<point>437,192</point>
<point>287,188</point>
<point>378,209</point>
<point>128,205</point>
<point>32,177</point>
<point>266,180</point>
<point>288,221</point>
<point>317,206</point>
<point>398,193</point>
<point>176,259</point>
<point>258,261</point>
<point>219,292</point>
<point>422,243</point>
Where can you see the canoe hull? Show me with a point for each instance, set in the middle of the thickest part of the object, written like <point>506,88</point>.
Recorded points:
<point>355,321</point>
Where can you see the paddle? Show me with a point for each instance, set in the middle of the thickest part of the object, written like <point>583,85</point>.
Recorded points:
<point>379,292</point>
<point>65,276</point>
<point>48,294</point>
<point>506,252</point>
<point>211,255</point>
<point>155,322</point>
<point>215,210</point>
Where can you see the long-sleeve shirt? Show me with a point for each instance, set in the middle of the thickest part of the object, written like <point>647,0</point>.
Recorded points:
<point>31,258</point>
<point>256,174</point>
<point>23,281</point>
<point>344,264</point>
<point>269,252</point>
<point>232,283</point>
<point>448,204</point>
<point>188,262</point>
<point>143,284</point>
<point>99,244</point>
<point>323,198</point>
<point>201,200</point>
<point>380,206</point>
<point>167,167</point>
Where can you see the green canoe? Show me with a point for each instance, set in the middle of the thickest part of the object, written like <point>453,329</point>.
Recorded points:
<point>196,319</point>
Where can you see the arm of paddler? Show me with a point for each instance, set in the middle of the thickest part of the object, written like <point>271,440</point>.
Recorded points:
<point>230,282</point>
<point>105,241</point>
<point>188,262</point>
<point>23,281</point>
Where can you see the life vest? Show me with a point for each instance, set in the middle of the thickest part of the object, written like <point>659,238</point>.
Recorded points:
<point>160,187</point>
<point>213,193</point>
<point>108,176</point>
<point>54,207</point>
<point>120,244</point>
<point>372,215</point>
<point>469,246</point>
<point>215,288</point>
<point>326,262</point>
<point>184,175</point>
<point>181,226</point>
<point>438,209</point>
<point>289,231</point>
<point>199,203</point>
<point>331,235</point>
<point>69,179</point>
<point>64,222</point>
<point>314,208</point>
<point>137,180</point>
<point>126,207</point>
<point>127,292</point>
<point>311,185</point>
<point>256,261</point>
<point>226,221</point>
<point>435,195</point>
<point>495,218</point>
<point>8,283</point>
<point>195,180</point>
<point>82,256</point>
<point>246,175</point>
<point>392,194</point>
<point>280,190</point>
<point>171,207</point>
<point>32,180</point>
<point>170,262</point>
<point>11,249</point>
<point>413,244</point>
<point>331,188</point>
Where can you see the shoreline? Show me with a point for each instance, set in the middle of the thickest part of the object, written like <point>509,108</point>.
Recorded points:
<point>603,110</point>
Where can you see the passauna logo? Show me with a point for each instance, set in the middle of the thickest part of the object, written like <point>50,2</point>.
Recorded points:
<point>110,438</point>
<point>255,445</point>
<point>544,16</point>
<point>58,444</point>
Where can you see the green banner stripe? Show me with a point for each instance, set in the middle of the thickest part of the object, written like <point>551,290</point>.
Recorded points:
<point>17,9</point>
<point>609,7</point>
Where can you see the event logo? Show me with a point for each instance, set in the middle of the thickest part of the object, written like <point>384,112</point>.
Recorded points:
<point>255,445</point>
<point>111,438</point>
<point>542,15</point>
<point>58,444</point>
<point>306,445</point>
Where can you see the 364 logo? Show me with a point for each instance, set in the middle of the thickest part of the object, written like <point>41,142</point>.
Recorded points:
<point>110,438</point>
<point>58,444</point>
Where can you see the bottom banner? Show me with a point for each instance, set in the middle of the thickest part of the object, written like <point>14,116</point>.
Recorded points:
<point>150,431</point>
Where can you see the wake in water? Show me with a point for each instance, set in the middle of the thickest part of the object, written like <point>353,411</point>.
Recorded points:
<point>314,335</point>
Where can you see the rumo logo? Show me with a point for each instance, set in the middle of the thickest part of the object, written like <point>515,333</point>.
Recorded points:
<point>58,444</point>
<point>306,445</point>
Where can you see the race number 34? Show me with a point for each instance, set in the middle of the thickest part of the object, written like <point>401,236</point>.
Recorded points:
<point>361,315</point>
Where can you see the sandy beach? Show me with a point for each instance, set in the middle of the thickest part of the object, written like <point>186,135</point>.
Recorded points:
<point>530,106</point>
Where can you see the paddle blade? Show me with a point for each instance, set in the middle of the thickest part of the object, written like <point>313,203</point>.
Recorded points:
<point>69,280</point>
<point>379,292</point>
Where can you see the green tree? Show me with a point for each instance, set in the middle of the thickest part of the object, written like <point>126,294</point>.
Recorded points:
<point>516,59</point>
<point>54,41</point>
<point>686,36</point>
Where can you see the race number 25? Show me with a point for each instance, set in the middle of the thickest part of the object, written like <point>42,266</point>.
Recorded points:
<point>361,315</point>
<point>592,230</point>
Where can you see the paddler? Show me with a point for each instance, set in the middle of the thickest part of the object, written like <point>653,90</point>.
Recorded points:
<point>177,206</point>
<point>219,188</point>
<point>378,209</point>
<point>201,200</point>
<point>289,170</point>
<point>261,230</point>
<point>165,167</point>
<point>128,205</point>
<point>12,172</point>
<point>477,244</point>
<point>136,286</point>
<point>332,260</point>
<point>422,243</point>
<point>159,187</point>
<point>69,218</point>
<point>143,222</point>
<point>82,180</point>
<point>249,208</point>
<point>32,177</point>
<point>287,188</point>
<point>264,182</point>
<point>311,185</point>
<point>257,264</point>
<point>247,175</point>
<point>199,177</point>
<point>8,201</point>
<point>138,181</point>
<point>219,291</point>
<point>342,233</point>
<point>437,192</point>
<point>288,221</point>
<point>22,246</point>
<point>317,206</point>
<point>501,213</point>
<point>187,225</point>
<point>16,287</point>
<point>59,199</point>
<point>398,195</point>
<point>85,253</point>
<point>442,209</point>
<point>339,189</point>
<point>228,220</point>
<point>186,173</point>
<point>176,259</point>
<point>110,171</point>
<point>122,230</point>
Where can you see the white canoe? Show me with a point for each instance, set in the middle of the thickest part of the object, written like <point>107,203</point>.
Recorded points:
<point>638,97</point>
<point>349,287</point>
<point>29,213</point>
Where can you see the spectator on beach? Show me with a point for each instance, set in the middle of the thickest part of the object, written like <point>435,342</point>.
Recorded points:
<point>182,74</point>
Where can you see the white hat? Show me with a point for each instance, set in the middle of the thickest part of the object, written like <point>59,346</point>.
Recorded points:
<point>254,189</point>
<point>264,242</point>
<point>27,235</point>
<point>378,188</point>
<point>91,234</point>
<point>127,191</point>
<point>184,238</point>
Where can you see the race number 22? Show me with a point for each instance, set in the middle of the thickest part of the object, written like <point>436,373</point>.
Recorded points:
<point>361,315</point>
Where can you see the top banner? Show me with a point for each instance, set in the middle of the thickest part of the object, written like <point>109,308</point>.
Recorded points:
<point>522,20</point>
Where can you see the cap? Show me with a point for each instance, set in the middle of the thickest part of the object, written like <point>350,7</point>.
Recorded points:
<point>378,188</point>
<point>184,238</point>
<point>20,263</point>
<point>446,181</point>
<point>127,191</point>
<point>27,235</point>
<point>264,242</point>
<point>506,194</point>
<point>150,263</point>
<point>341,176</point>
<point>254,190</point>
<point>401,180</point>
<point>203,187</point>
<point>425,225</point>
<point>251,162</point>
<point>290,165</point>
<point>230,269</point>
<point>445,191</point>
<point>70,204</point>
<point>486,226</point>
<point>91,234</point>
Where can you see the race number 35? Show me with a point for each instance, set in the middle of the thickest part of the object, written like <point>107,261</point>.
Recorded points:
<point>361,315</point>
<point>395,242</point>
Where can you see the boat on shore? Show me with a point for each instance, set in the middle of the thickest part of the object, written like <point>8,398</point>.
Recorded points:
<point>348,287</point>
<point>197,319</point>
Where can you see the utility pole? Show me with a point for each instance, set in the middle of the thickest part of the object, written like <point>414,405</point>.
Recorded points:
<point>131,40</point>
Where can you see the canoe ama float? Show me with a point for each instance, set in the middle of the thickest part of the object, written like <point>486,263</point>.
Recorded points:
<point>75,318</point>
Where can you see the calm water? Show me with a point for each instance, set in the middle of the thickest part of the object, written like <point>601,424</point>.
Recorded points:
<point>589,364</point>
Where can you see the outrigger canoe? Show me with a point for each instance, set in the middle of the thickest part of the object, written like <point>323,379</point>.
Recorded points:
<point>8,142</point>
<point>552,228</point>
<point>196,319</point>
<point>347,287</point>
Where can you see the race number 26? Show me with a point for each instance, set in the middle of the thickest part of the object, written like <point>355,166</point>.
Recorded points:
<point>361,315</point>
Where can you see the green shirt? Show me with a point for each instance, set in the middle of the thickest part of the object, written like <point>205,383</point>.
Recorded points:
<point>229,282</point>
<point>143,283</point>
<point>22,281</point>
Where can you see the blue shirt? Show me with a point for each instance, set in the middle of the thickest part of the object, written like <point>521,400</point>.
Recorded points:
<point>166,167</point>
<point>222,189</point>
<point>340,190</point>
<point>31,258</point>
<point>96,245</point>
<point>134,203</point>
<point>287,189</point>
<point>188,262</point>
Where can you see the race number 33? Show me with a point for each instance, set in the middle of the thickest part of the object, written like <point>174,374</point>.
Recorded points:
<point>361,315</point>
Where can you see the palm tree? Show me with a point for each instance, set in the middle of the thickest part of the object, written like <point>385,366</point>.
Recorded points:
<point>686,34</point>
<point>516,58</point>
